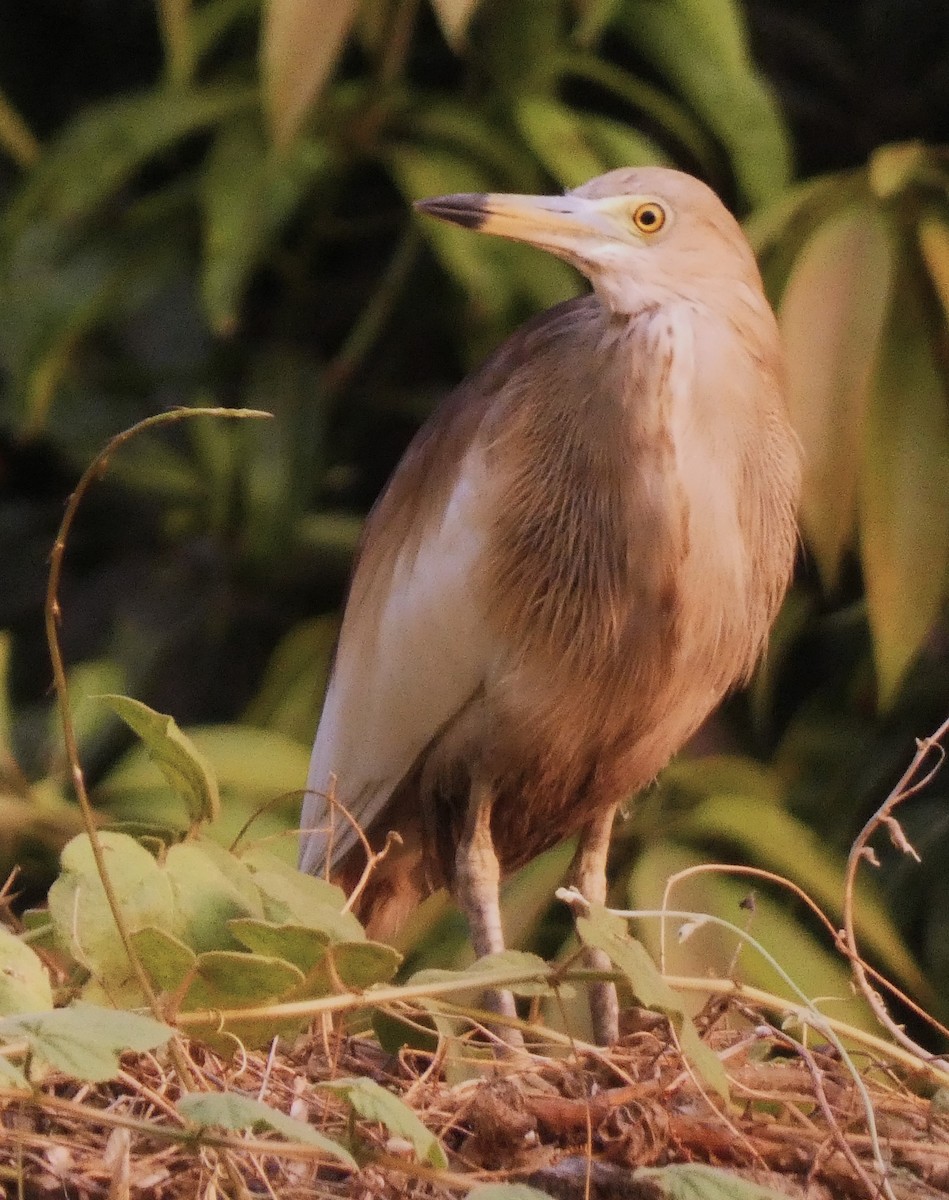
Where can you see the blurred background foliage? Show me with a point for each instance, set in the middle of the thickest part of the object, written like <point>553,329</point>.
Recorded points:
<point>208,201</point>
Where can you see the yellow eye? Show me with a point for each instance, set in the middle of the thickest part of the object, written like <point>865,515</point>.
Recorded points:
<point>649,217</point>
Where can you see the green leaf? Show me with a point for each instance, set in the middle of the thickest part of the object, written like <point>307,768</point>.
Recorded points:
<point>774,839</point>
<point>933,232</point>
<point>454,17</point>
<point>556,135</point>
<point>494,968</point>
<point>187,771</point>
<point>205,899</point>
<point>249,193</point>
<point>81,913</point>
<point>701,46</point>
<point>166,958</point>
<point>832,317</point>
<point>259,775</point>
<point>616,145</point>
<point>86,681</point>
<point>605,932</point>
<point>693,1181</point>
<point>431,171</point>
<point>85,1041</point>
<point>904,491</point>
<point>306,900</point>
<point>357,965</point>
<point>11,1075</point>
<point>234,1111</point>
<point>301,43</point>
<point>102,149</point>
<point>807,957</point>
<point>24,981</point>
<point>366,1098</point>
<point>294,682</point>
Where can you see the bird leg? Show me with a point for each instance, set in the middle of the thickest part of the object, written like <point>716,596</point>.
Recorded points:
<point>477,883</point>
<point>589,877</point>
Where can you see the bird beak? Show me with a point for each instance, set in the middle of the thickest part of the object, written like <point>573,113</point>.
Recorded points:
<point>565,225</point>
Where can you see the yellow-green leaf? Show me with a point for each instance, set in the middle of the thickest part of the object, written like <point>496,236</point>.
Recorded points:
<point>454,17</point>
<point>371,1101</point>
<point>24,981</point>
<point>605,932</point>
<point>301,42</point>
<point>832,316</point>
<point>904,491</point>
<point>234,1111</point>
<point>176,756</point>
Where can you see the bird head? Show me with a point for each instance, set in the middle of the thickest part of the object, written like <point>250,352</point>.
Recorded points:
<point>640,235</point>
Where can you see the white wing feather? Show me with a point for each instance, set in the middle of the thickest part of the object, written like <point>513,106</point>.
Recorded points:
<point>408,660</point>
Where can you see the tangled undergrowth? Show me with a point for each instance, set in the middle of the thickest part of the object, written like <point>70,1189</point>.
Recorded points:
<point>255,1075</point>
<point>594,1124</point>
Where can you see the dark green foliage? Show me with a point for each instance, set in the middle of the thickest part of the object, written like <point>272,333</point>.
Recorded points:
<point>196,214</point>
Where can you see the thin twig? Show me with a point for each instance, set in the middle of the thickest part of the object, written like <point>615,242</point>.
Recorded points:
<point>908,785</point>
<point>53,614</point>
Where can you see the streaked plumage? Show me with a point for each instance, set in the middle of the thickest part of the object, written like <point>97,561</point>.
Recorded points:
<point>581,552</point>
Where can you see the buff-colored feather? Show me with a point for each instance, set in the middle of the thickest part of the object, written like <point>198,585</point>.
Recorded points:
<point>580,554</point>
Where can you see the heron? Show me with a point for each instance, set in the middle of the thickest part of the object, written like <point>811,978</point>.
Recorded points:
<point>581,552</point>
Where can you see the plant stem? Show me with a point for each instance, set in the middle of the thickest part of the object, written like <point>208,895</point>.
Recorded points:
<point>53,614</point>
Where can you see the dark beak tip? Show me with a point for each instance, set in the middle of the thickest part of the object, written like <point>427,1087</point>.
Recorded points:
<point>465,209</point>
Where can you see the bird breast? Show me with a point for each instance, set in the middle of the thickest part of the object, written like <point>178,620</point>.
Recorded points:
<point>642,537</point>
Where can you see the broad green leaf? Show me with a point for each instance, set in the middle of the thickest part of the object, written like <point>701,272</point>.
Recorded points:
<point>86,682</point>
<point>232,979</point>
<point>306,900</point>
<point>188,773</point>
<point>258,772</point>
<point>832,317</point>
<point>11,1075</point>
<point>450,125</point>
<point>294,682</point>
<point>454,16</point>
<point>85,1041</point>
<point>800,209</point>
<point>904,491</point>
<point>893,168</point>
<point>80,911</point>
<point>663,112</point>
<point>605,932</point>
<point>506,1191</point>
<point>808,957</point>
<point>103,148</point>
<point>301,43</point>
<point>166,958</point>
<point>357,965</point>
<point>701,46</point>
<point>933,232</point>
<point>297,944</point>
<point>249,193</point>
<point>371,1101</point>
<point>24,981</point>
<point>431,171</point>
<point>234,1111</point>
<point>205,899</point>
<point>775,840</point>
<point>694,1181</point>
<point>556,135</point>
<point>494,968</point>
<point>616,145</point>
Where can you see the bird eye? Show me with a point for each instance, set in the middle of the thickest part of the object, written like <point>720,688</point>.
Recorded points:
<point>649,217</point>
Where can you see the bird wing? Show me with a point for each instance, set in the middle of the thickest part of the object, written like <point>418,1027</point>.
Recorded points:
<point>412,651</point>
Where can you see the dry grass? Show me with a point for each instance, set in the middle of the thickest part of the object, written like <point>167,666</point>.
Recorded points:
<point>575,1127</point>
